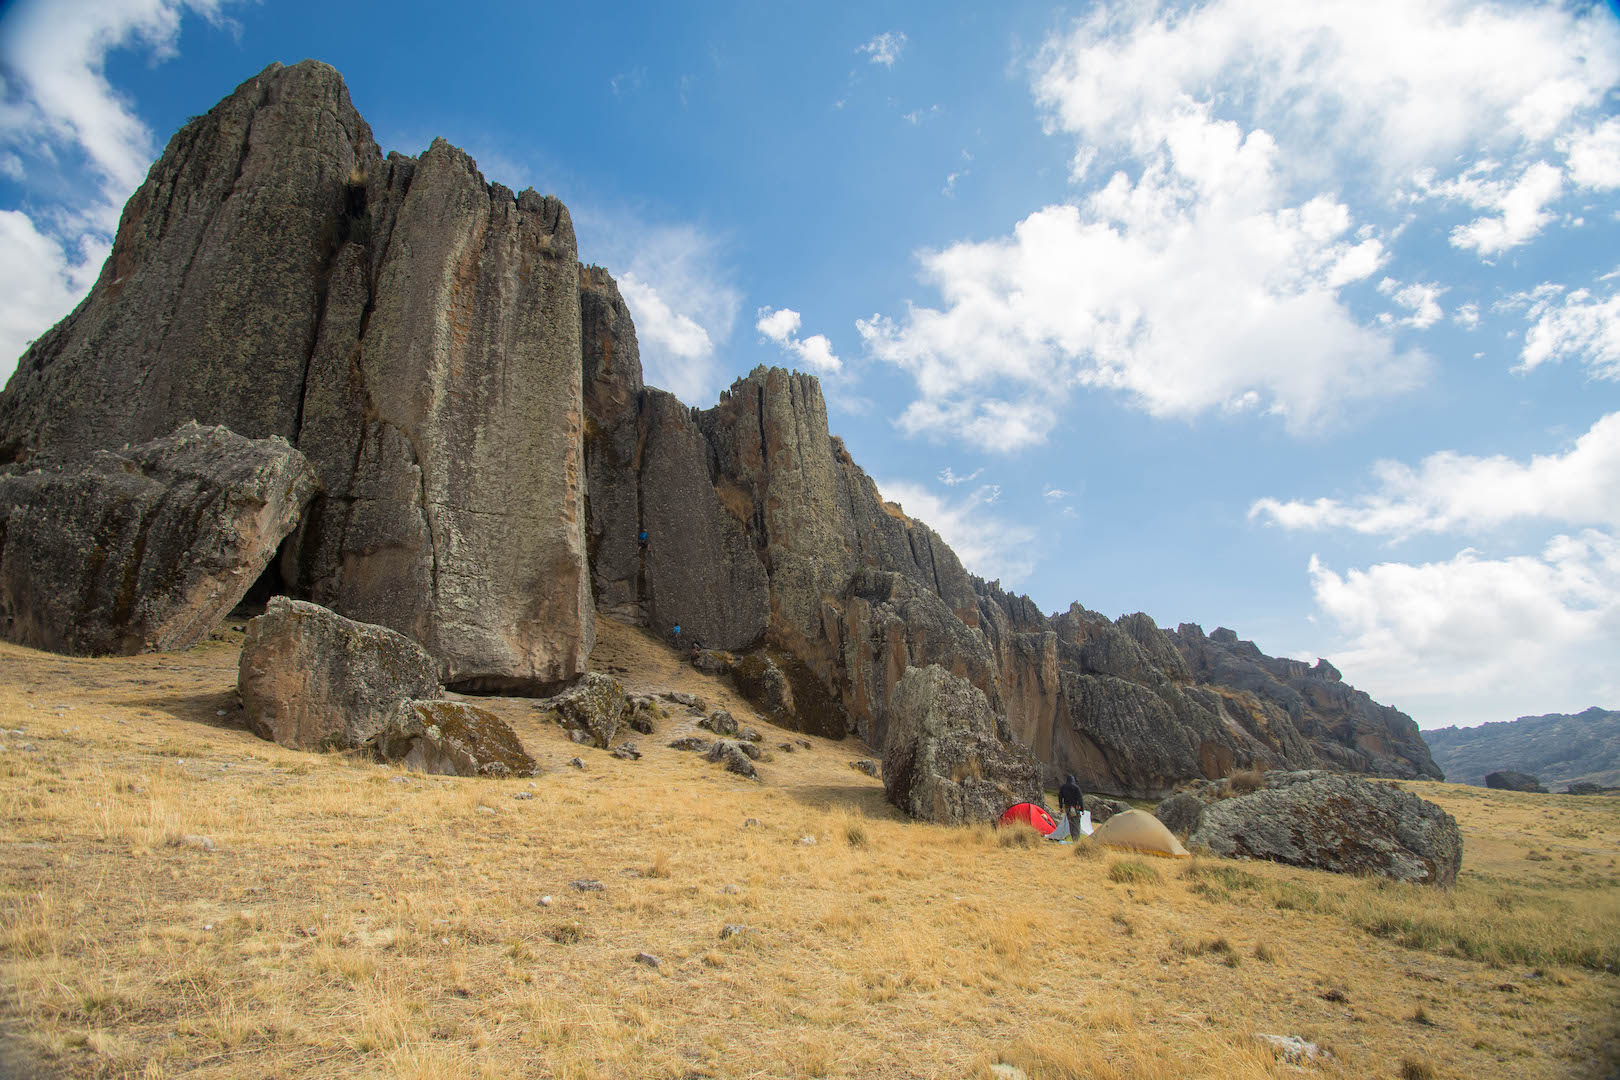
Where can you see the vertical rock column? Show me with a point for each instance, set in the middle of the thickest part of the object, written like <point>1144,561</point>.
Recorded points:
<point>462,522</point>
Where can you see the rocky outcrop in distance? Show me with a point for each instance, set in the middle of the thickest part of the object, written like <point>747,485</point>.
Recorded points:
<point>1562,749</point>
<point>147,548</point>
<point>1508,780</point>
<point>495,474</point>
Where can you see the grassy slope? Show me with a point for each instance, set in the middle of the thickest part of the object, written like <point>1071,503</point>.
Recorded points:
<point>355,920</point>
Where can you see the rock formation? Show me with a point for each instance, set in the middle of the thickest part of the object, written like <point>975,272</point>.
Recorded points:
<point>414,331</point>
<point>495,472</point>
<point>1338,823</point>
<point>949,758</point>
<point>147,548</point>
<point>453,738</point>
<point>312,680</point>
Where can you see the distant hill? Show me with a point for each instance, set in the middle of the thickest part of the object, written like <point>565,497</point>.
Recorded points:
<point>1560,748</point>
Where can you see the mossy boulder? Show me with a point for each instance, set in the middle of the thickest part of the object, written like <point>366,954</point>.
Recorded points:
<point>453,738</point>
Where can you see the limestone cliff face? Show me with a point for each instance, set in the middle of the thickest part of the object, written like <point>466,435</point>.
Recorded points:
<point>414,331</point>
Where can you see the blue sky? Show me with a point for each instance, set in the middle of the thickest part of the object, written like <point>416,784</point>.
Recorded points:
<point>1298,319</point>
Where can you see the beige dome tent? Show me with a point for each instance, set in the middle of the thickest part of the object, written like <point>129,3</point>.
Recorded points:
<point>1139,831</point>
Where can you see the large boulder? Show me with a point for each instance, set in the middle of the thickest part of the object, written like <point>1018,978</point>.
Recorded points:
<point>1337,823</point>
<point>454,738</point>
<point>312,680</point>
<point>1509,780</point>
<point>145,549</point>
<point>949,758</point>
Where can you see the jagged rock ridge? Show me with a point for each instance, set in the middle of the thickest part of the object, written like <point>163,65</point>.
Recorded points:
<point>1559,748</point>
<point>490,458</point>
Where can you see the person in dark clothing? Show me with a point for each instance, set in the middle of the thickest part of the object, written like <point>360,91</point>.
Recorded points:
<point>1072,802</point>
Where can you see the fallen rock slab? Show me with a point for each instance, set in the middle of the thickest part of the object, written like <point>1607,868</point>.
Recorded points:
<point>148,548</point>
<point>312,680</point>
<point>454,738</point>
<point>1338,823</point>
<point>591,711</point>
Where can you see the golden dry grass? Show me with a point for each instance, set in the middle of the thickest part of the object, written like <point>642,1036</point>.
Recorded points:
<point>356,920</point>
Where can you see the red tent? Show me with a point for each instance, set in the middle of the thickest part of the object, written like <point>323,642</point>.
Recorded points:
<point>1036,817</point>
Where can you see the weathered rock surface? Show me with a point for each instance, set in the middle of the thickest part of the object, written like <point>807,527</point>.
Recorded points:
<point>414,331</point>
<point>1338,823</point>
<point>1508,780</point>
<point>312,680</point>
<point>1343,727</point>
<point>948,757</point>
<point>453,738</point>
<point>734,757</point>
<point>591,711</point>
<point>145,549</point>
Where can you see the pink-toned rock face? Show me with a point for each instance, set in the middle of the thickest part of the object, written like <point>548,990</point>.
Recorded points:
<point>311,679</point>
<point>145,549</point>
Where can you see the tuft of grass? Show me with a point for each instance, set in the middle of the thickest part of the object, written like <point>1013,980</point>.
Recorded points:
<point>1087,848</point>
<point>1420,1015</point>
<point>1018,836</point>
<point>855,834</point>
<point>660,866</point>
<point>1264,954</point>
<point>1246,780</point>
<point>1132,872</point>
<point>1416,1069</point>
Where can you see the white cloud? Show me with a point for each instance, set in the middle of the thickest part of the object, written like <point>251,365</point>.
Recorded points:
<point>1578,326</point>
<point>1399,83</point>
<point>885,48</point>
<point>1474,639</point>
<point>1191,288</point>
<point>950,479</point>
<point>1466,316</point>
<point>57,109</point>
<point>1520,207</point>
<point>1594,156</point>
<point>1420,298</point>
<point>675,281</point>
<point>782,327</point>
<point>1244,164</point>
<point>1052,494</point>
<point>39,283</point>
<point>987,546</point>
<point>1450,492</point>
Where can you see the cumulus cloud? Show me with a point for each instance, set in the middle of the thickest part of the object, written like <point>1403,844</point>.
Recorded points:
<point>782,327</point>
<point>1396,83</point>
<point>1419,298</point>
<point>1519,205</point>
<point>987,545</point>
<point>39,281</point>
<point>1466,316</point>
<point>1578,326</point>
<point>1475,638</point>
<point>1450,492</point>
<point>1210,256</point>
<point>1594,156</point>
<point>885,48</point>
<point>1190,288</point>
<point>75,141</point>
